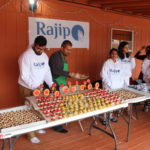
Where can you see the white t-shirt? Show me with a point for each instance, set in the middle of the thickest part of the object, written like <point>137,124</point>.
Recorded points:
<point>146,70</point>
<point>128,64</point>
<point>112,75</point>
<point>34,70</point>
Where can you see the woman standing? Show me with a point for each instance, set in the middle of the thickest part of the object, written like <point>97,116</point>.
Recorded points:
<point>112,76</point>
<point>112,73</point>
<point>128,63</point>
<point>140,56</point>
<point>146,68</point>
<point>146,75</point>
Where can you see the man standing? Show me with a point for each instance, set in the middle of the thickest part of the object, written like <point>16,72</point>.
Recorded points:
<point>34,70</point>
<point>59,65</point>
<point>59,68</point>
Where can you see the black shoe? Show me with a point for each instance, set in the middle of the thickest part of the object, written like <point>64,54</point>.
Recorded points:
<point>62,130</point>
<point>113,119</point>
<point>104,122</point>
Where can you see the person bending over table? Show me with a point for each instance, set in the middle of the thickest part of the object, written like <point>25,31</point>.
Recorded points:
<point>34,70</point>
<point>60,69</point>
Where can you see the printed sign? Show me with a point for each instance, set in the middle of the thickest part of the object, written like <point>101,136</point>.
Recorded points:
<point>56,31</point>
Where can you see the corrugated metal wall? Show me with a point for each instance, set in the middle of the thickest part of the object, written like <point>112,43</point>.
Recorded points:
<point>14,39</point>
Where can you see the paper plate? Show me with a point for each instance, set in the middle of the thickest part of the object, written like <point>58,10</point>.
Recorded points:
<point>83,77</point>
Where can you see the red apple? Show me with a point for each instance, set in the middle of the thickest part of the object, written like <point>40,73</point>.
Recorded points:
<point>84,82</point>
<point>54,85</point>
<point>68,83</point>
<point>88,80</point>
<point>61,85</point>
<point>77,82</point>
<point>41,86</point>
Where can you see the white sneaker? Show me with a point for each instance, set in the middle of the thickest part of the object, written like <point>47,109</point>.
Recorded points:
<point>35,140</point>
<point>41,131</point>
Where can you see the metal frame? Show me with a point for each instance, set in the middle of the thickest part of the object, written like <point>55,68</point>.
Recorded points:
<point>11,143</point>
<point>112,134</point>
<point>79,117</point>
<point>128,121</point>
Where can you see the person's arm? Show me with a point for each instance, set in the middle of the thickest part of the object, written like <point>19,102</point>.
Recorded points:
<point>145,71</point>
<point>24,67</point>
<point>133,64</point>
<point>144,67</point>
<point>138,54</point>
<point>104,74</point>
<point>56,64</point>
<point>48,77</point>
<point>140,57</point>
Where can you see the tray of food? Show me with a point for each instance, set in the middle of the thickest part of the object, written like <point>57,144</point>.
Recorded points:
<point>65,106</point>
<point>47,106</point>
<point>19,118</point>
<point>131,95</point>
<point>89,102</point>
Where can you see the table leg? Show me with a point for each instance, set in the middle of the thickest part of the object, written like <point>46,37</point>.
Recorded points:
<point>81,125</point>
<point>3,144</point>
<point>129,123</point>
<point>90,128</point>
<point>113,133</point>
<point>136,113</point>
<point>10,144</point>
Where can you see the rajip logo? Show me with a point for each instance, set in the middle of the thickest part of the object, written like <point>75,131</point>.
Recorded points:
<point>78,32</point>
<point>58,30</point>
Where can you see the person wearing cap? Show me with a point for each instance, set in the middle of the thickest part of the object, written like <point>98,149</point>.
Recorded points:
<point>34,70</point>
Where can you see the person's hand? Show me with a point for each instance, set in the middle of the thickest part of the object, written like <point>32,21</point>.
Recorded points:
<point>142,48</point>
<point>72,74</point>
<point>77,76</point>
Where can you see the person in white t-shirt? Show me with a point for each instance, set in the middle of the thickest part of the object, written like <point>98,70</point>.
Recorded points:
<point>146,76</point>
<point>146,68</point>
<point>34,71</point>
<point>128,62</point>
<point>112,73</point>
<point>112,76</point>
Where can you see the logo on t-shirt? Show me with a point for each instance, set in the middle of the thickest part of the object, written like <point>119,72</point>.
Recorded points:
<point>114,70</point>
<point>39,65</point>
<point>126,60</point>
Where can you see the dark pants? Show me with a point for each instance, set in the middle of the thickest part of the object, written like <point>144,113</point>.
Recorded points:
<point>147,103</point>
<point>57,128</point>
